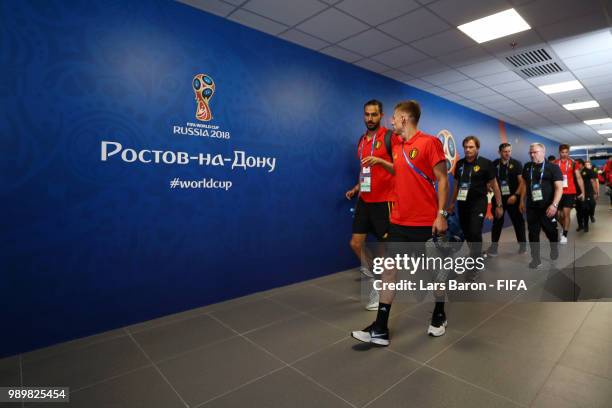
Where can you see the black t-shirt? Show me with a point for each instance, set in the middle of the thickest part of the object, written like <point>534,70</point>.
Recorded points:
<point>552,173</point>
<point>478,174</point>
<point>508,172</point>
<point>587,176</point>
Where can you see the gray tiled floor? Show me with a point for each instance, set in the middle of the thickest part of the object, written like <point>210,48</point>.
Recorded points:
<point>289,347</point>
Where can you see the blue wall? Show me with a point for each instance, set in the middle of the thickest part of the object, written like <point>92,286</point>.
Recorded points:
<point>90,245</point>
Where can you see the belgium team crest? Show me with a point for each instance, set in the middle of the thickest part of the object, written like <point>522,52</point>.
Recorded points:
<point>204,88</point>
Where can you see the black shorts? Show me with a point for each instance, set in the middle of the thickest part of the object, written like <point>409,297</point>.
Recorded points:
<point>567,201</point>
<point>402,233</point>
<point>372,218</point>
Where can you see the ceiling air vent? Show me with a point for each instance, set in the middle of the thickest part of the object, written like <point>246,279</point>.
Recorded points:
<point>534,62</point>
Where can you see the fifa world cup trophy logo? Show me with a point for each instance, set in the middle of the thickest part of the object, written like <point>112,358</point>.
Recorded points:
<point>204,88</point>
<point>450,149</point>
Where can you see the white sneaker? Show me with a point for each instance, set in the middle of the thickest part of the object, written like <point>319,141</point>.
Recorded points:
<point>438,324</point>
<point>366,272</point>
<point>563,239</point>
<point>373,300</point>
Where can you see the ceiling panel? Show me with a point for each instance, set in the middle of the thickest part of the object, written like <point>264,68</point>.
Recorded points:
<point>596,71</point>
<point>583,44</point>
<point>372,65</point>
<point>257,22</point>
<point>423,68</point>
<point>332,25</point>
<point>417,24</point>
<point>397,75</point>
<point>400,56</point>
<point>574,26</point>
<point>466,56</point>
<point>341,53</point>
<point>461,86</point>
<point>544,12</point>
<point>512,86</point>
<point>303,39</point>
<point>418,83</point>
<point>483,68</point>
<point>478,93</point>
<point>589,60</point>
<point>369,42</point>
<point>443,43</point>
<point>379,11</point>
<point>445,77</point>
<point>523,39</point>
<point>464,11</point>
<point>499,78</point>
<point>289,13</point>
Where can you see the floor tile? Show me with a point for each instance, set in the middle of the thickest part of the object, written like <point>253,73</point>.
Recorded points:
<point>282,389</point>
<point>209,372</point>
<point>462,316</point>
<point>409,337</point>
<point>255,314</point>
<point>171,339</point>
<point>349,369</point>
<point>501,371</point>
<point>72,345</point>
<point>307,298</point>
<point>525,336</point>
<point>84,366</point>
<point>591,349</point>
<point>569,388</point>
<point>9,372</point>
<point>428,388</point>
<point>144,388</point>
<point>295,338</point>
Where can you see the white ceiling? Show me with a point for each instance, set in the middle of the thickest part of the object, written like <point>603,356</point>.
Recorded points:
<point>416,42</point>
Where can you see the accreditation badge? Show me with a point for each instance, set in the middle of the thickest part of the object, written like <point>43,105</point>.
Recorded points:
<point>536,193</point>
<point>565,181</point>
<point>365,180</point>
<point>505,188</point>
<point>464,188</point>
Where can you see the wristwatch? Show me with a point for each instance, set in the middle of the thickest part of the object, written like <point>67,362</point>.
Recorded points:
<point>555,205</point>
<point>443,213</point>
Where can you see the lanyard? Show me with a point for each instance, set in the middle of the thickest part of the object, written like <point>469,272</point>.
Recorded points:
<point>363,144</point>
<point>499,170</point>
<point>416,169</point>
<point>469,175</point>
<point>566,166</point>
<point>531,173</point>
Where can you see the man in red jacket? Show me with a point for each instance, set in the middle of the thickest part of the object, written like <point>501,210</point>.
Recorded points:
<point>374,189</point>
<point>418,210</point>
<point>571,177</point>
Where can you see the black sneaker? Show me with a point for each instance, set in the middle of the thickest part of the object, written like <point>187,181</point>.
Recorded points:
<point>438,324</point>
<point>522,249</point>
<point>372,334</point>
<point>554,252</point>
<point>535,264</point>
<point>586,228</point>
<point>592,219</point>
<point>492,251</point>
<point>579,228</point>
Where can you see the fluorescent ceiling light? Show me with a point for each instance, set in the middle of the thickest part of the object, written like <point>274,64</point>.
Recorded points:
<point>581,105</point>
<point>560,87</point>
<point>598,121</point>
<point>605,132</point>
<point>495,26</point>
<point>610,139</point>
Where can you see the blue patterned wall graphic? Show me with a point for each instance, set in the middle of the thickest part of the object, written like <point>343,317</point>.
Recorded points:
<point>91,245</point>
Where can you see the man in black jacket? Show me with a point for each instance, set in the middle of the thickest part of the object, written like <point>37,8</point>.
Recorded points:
<point>541,196</point>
